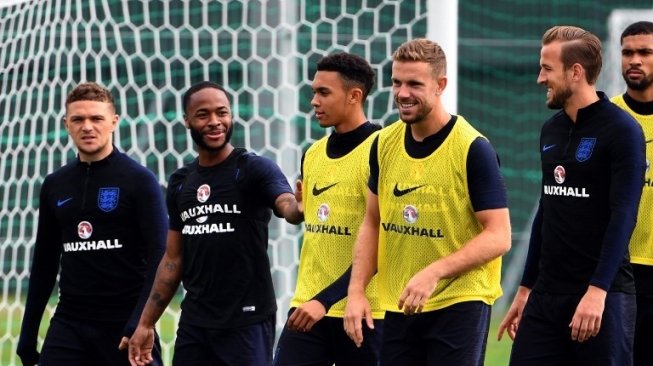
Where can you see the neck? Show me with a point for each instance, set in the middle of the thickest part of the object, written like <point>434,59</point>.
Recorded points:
<point>642,96</point>
<point>580,99</point>
<point>356,120</point>
<point>430,125</point>
<point>91,158</point>
<point>211,158</point>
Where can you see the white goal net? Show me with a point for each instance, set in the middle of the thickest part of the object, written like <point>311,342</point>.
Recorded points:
<point>148,53</point>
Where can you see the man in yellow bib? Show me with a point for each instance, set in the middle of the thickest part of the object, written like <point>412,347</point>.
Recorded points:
<point>637,69</point>
<point>335,171</point>
<point>435,228</point>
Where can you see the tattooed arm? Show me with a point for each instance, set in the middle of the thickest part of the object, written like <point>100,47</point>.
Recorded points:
<point>168,277</point>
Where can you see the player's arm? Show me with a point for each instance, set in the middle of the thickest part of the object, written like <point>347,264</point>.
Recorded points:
<point>627,168</point>
<point>166,282</point>
<point>364,263</point>
<point>272,185</point>
<point>488,199</point>
<point>289,208</point>
<point>45,265</point>
<point>510,322</point>
<point>364,267</point>
<point>152,225</point>
<point>492,242</point>
<point>312,311</point>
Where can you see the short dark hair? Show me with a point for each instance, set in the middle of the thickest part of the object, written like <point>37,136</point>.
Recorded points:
<point>637,29</point>
<point>90,91</point>
<point>355,70</point>
<point>197,87</point>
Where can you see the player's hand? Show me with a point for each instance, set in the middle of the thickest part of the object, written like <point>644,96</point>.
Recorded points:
<point>140,346</point>
<point>299,189</point>
<point>586,322</point>
<point>510,322</point>
<point>124,343</point>
<point>306,315</point>
<point>357,309</point>
<point>417,291</point>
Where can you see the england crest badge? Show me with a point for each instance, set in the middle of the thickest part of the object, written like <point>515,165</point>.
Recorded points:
<point>585,148</point>
<point>107,198</point>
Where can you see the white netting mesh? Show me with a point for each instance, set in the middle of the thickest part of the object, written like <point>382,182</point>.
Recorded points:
<point>148,53</point>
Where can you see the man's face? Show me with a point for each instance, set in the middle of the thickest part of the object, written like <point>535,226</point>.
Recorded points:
<point>554,76</point>
<point>330,99</point>
<point>91,124</point>
<point>414,89</point>
<point>637,61</point>
<point>208,117</point>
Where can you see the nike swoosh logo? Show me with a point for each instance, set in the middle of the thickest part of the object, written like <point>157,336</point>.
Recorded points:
<point>319,191</point>
<point>647,141</point>
<point>400,192</point>
<point>63,202</point>
<point>548,147</point>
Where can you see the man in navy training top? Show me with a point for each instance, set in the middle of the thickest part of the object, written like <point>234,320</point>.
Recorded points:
<point>219,205</point>
<point>103,221</point>
<point>576,301</point>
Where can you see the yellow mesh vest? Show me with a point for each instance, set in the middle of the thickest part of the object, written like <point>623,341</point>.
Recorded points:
<point>641,242</point>
<point>334,195</point>
<point>426,214</point>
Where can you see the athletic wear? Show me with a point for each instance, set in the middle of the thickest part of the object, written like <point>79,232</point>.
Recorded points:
<point>71,342</point>
<point>248,345</point>
<point>334,197</point>
<point>223,212</point>
<point>453,336</point>
<point>544,335</point>
<point>592,173</point>
<point>426,213</point>
<point>327,344</point>
<point>335,171</point>
<point>641,242</point>
<point>105,224</point>
<point>428,194</point>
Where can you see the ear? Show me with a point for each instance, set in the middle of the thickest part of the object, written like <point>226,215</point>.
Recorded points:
<point>186,123</point>
<point>577,72</point>
<point>114,122</point>
<point>355,95</point>
<point>442,84</point>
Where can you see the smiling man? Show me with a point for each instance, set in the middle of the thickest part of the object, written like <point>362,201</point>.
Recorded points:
<point>576,302</point>
<point>436,225</point>
<point>219,206</point>
<point>102,220</point>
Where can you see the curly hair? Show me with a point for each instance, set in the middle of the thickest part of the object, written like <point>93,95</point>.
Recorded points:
<point>354,70</point>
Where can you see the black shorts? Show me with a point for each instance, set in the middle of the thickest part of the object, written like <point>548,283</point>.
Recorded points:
<point>327,344</point>
<point>80,343</point>
<point>455,335</point>
<point>644,330</point>
<point>544,335</point>
<point>249,345</point>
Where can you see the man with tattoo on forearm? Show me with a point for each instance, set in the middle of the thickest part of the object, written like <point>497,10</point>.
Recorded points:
<point>219,207</point>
